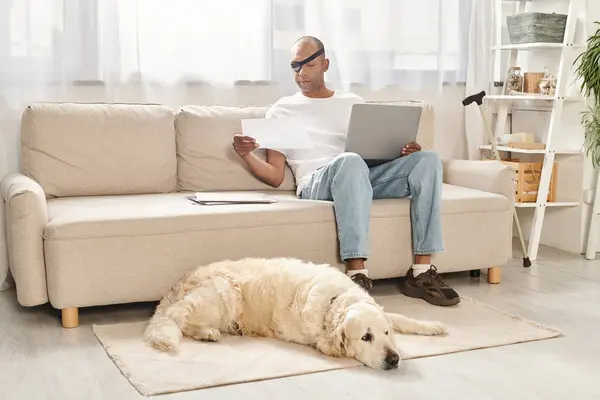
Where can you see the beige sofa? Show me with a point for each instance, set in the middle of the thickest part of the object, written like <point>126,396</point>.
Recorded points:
<point>98,216</point>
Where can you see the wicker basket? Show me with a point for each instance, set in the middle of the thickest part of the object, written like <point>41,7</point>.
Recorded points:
<point>536,28</point>
<point>528,180</point>
<point>532,82</point>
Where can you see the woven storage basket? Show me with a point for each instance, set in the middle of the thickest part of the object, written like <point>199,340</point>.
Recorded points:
<point>527,182</point>
<point>536,28</point>
<point>532,82</point>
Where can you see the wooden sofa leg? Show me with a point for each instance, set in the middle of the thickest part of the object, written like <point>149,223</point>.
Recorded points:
<point>70,317</point>
<point>494,274</point>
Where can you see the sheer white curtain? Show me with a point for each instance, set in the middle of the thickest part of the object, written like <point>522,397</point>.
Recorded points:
<point>156,50</point>
<point>162,41</point>
<point>372,42</point>
<point>415,44</point>
<point>480,70</point>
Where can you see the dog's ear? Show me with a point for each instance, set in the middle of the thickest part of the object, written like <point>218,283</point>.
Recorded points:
<point>334,343</point>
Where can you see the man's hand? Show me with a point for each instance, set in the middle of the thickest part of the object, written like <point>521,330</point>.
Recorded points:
<point>411,148</point>
<point>244,145</point>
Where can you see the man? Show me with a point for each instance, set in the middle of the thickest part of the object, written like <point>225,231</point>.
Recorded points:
<point>327,172</point>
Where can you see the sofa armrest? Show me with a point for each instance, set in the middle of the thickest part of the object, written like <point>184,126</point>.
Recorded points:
<point>488,176</point>
<point>26,217</point>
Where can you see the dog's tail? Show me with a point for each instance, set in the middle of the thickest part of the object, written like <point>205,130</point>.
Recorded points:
<point>162,331</point>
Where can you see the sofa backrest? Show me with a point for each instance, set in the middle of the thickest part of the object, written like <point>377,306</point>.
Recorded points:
<point>99,149</point>
<point>206,160</point>
<point>103,149</point>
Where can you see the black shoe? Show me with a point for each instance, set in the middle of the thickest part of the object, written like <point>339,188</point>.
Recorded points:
<point>363,281</point>
<point>430,287</point>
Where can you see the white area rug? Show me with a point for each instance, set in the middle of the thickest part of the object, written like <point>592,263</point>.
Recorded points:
<point>472,325</point>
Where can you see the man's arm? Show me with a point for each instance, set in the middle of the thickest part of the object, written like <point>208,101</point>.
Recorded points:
<point>271,171</point>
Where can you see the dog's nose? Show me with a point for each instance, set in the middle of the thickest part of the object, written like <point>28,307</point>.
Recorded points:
<point>392,359</point>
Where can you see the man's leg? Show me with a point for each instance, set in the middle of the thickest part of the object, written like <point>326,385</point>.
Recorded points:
<point>345,181</point>
<point>419,176</point>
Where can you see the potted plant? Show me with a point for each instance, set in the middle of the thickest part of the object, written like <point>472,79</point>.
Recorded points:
<point>589,72</point>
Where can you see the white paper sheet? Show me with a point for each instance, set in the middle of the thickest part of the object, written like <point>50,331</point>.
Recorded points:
<point>233,198</point>
<point>286,133</point>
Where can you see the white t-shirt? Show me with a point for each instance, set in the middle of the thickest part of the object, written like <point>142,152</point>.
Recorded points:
<point>327,121</point>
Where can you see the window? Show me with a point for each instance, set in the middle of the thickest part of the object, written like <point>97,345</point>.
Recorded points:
<point>394,41</point>
<point>48,40</point>
<point>206,40</point>
<point>431,35</point>
<point>377,42</point>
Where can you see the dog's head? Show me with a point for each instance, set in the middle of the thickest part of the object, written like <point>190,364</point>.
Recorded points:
<point>364,333</point>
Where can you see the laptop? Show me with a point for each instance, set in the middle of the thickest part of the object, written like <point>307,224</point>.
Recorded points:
<point>378,132</point>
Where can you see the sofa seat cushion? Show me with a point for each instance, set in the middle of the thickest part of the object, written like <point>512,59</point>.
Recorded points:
<point>151,214</point>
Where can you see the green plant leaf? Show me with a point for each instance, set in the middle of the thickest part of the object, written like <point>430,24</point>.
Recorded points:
<point>590,120</point>
<point>588,67</point>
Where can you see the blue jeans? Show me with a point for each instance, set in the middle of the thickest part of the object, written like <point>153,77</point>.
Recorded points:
<point>352,186</point>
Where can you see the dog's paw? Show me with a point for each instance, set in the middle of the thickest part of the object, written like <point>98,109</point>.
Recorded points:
<point>166,347</point>
<point>206,334</point>
<point>164,340</point>
<point>433,329</point>
<point>212,335</point>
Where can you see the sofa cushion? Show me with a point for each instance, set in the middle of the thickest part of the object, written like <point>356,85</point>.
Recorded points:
<point>109,216</point>
<point>121,249</point>
<point>206,160</point>
<point>99,149</point>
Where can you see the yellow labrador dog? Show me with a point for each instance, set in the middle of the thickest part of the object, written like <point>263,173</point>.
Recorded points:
<point>286,299</point>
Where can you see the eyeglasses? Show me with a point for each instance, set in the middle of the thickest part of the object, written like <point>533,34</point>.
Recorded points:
<point>297,65</point>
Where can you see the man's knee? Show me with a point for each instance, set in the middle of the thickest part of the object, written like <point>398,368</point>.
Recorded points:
<point>351,163</point>
<point>428,157</point>
<point>428,165</point>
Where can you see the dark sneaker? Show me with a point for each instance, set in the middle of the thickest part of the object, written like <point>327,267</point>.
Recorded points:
<point>430,287</point>
<point>363,281</point>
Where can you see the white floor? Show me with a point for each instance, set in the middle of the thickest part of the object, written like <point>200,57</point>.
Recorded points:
<point>40,360</point>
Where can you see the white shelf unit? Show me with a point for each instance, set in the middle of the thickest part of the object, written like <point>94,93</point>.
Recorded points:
<point>568,51</point>
<point>536,46</point>
<point>549,204</point>
<point>529,151</point>
<point>530,97</point>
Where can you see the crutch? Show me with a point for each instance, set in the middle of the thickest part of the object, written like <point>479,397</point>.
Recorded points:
<point>478,98</point>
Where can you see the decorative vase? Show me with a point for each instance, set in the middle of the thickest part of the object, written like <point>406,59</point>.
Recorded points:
<point>514,81</point>
<point>548,84</point>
